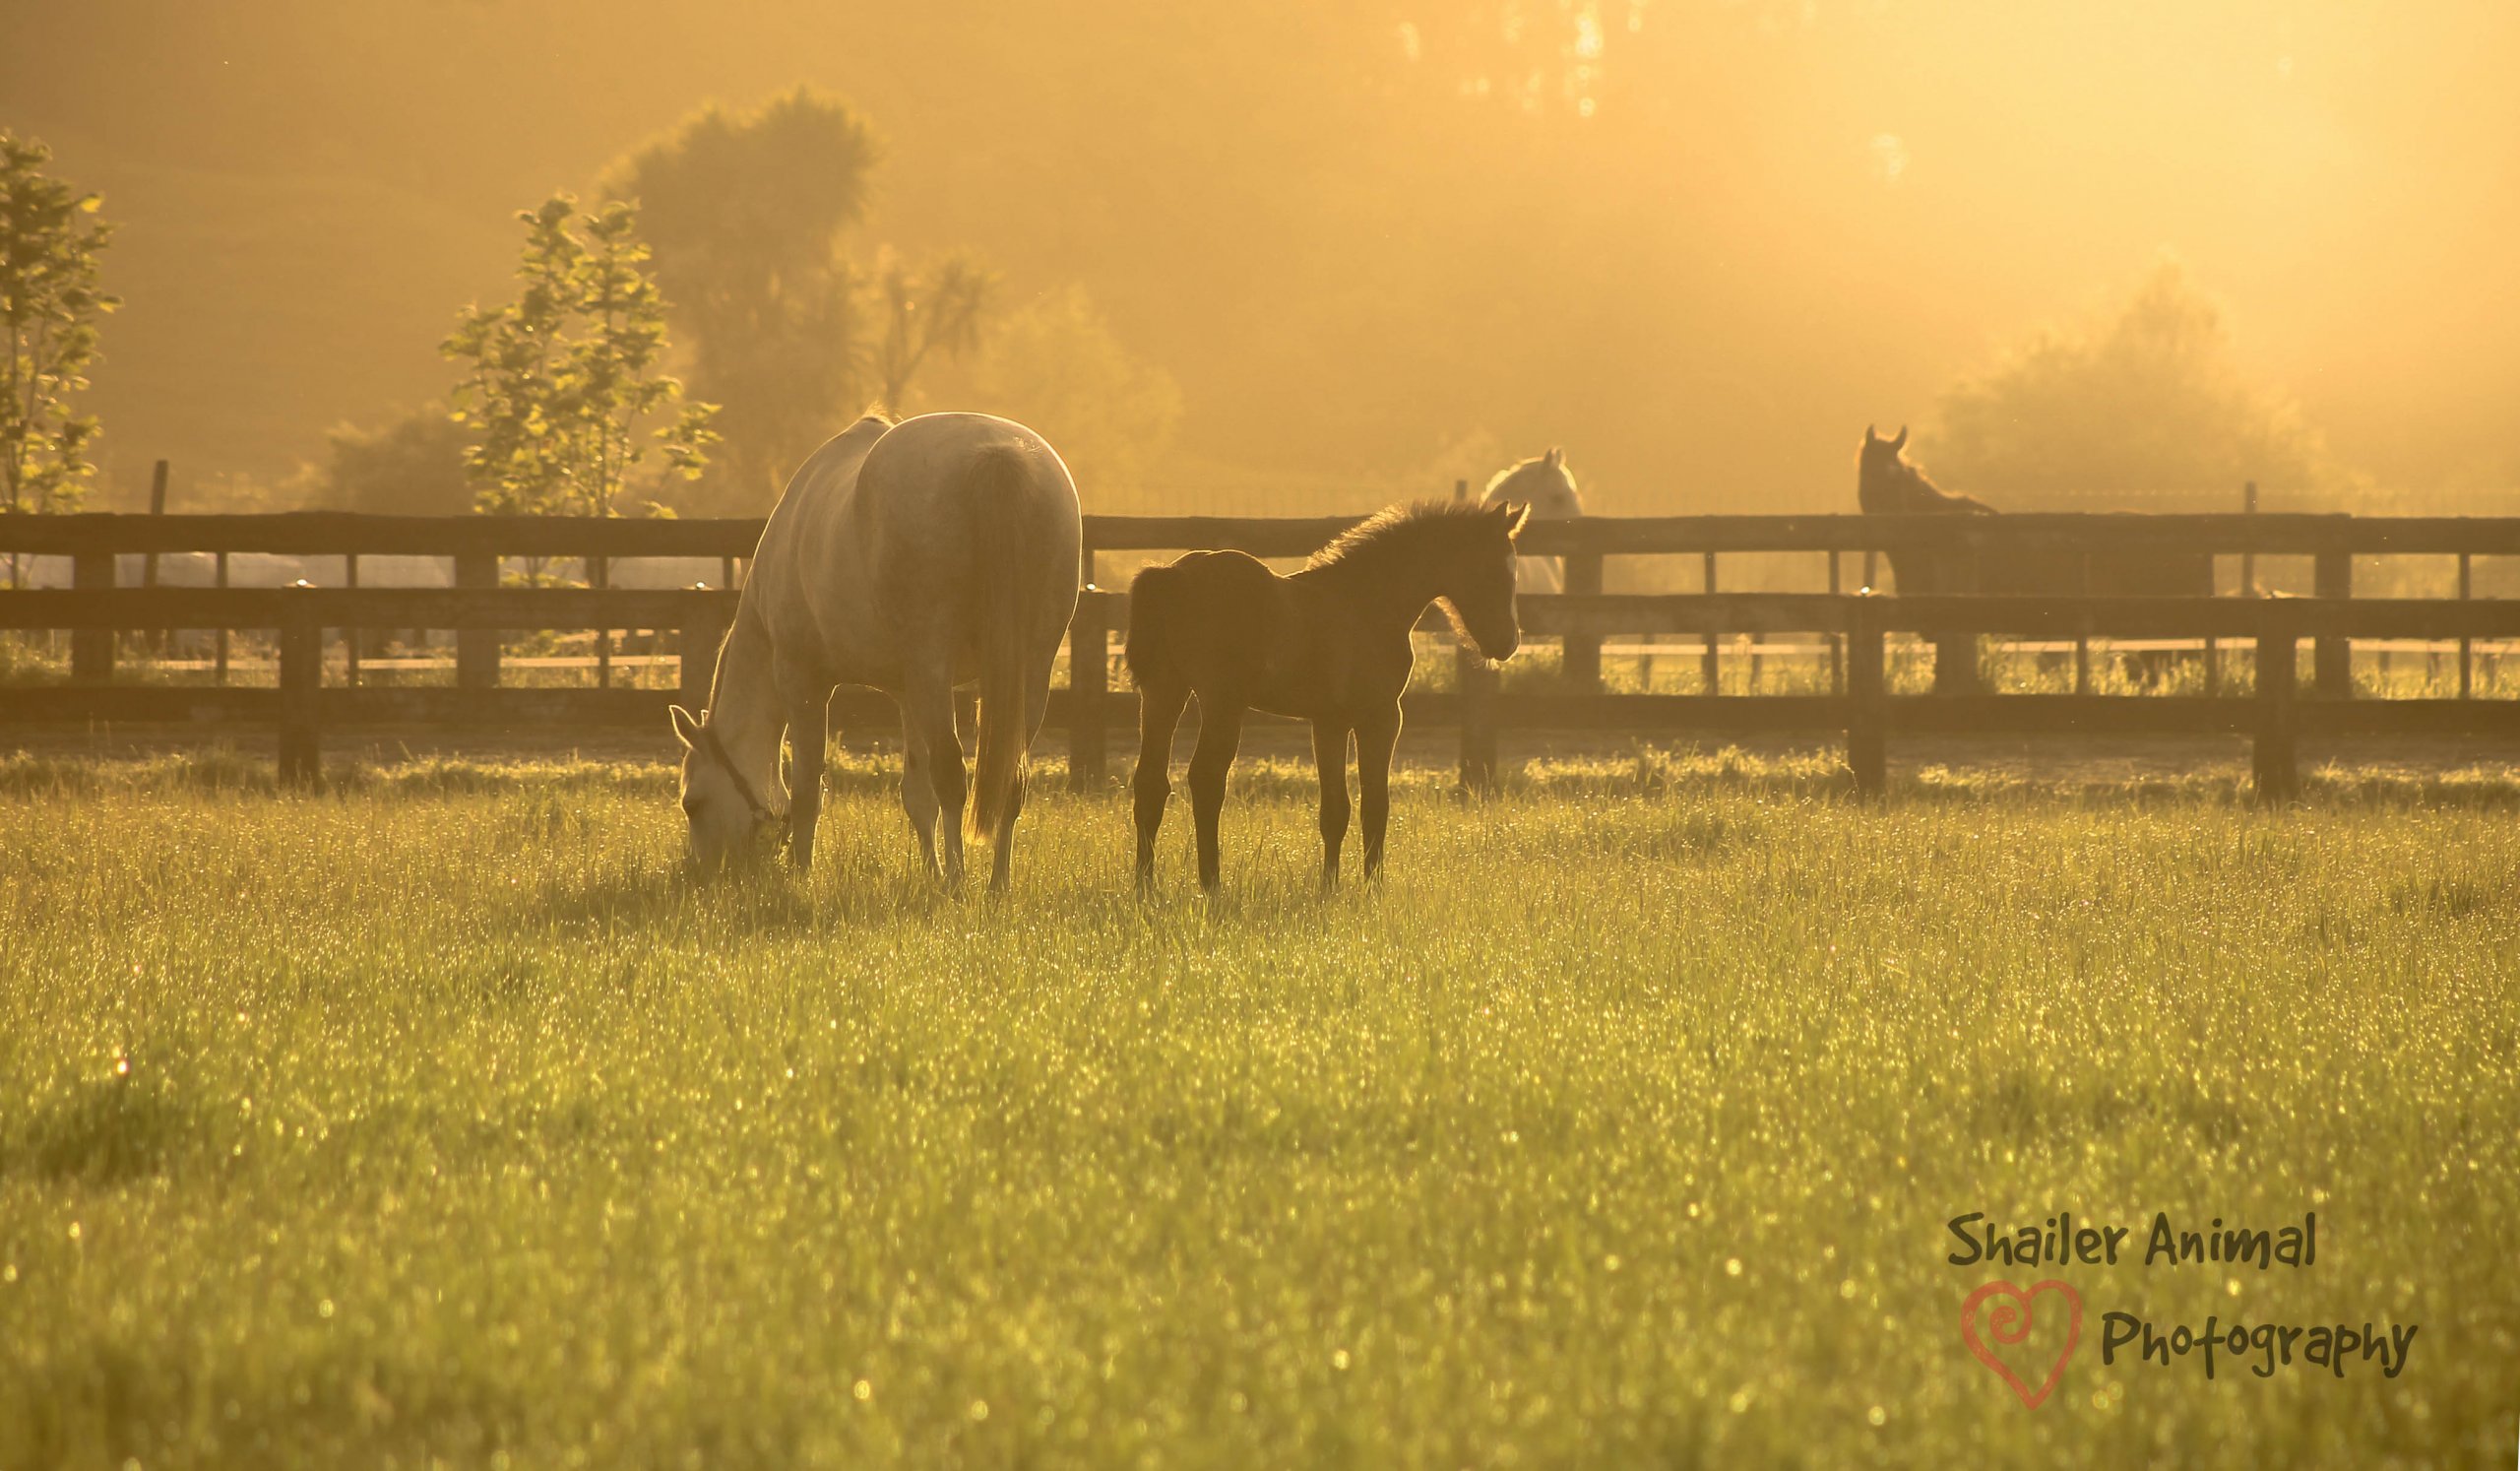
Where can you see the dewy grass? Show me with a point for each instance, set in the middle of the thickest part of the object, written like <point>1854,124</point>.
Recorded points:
<point>439,1119</point>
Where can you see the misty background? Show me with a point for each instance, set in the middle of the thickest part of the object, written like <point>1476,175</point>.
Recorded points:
<point>1263,258</point>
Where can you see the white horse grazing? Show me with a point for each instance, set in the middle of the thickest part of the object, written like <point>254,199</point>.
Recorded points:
<point>911,557</point>
<point>1542,483</point>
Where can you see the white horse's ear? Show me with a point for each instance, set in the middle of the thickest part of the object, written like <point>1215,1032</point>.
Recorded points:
<point>686,728</point>
<point>1901,442</point>
<point>1554,458</point>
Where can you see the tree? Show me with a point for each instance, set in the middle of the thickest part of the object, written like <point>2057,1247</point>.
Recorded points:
<point>749,216</point>
<point>563,394</point>
<point>2145,400</point>
<point>49,302</point>
<point>940,308</point>
<point>746,215</point>
<point>1057,366</point>
<point>411,467</point>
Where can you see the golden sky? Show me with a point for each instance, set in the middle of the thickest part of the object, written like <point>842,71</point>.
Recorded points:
<point>1699,243</point>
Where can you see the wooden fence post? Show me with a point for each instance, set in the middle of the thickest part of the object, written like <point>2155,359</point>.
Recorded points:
<point>1837,641</point>
<point>1581,660</point>
<point>1867,711</point>
<point>349,636</point>
<point>1089,687</point>
<point>91,649</point>
<point>599,575</point>
<point>2082,640</point>
<point>2274,761</point>
<point>1712,669</point>
<point>703,630</point>
<point>1955,655</point>
<point>219,660</point>
<point>2248,558</point>
<point>302,684</point>
<point>149,564</point>
<point>477,650</point>
<point>2467,588</point>
<point>2332,656</point>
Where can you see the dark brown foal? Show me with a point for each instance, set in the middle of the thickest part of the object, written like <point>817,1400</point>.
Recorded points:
<point>1329,644</point>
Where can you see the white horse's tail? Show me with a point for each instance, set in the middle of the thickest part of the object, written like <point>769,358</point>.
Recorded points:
<point>1003,596</point>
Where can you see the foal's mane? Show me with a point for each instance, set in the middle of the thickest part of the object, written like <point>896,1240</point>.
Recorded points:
<point>1411,530</point>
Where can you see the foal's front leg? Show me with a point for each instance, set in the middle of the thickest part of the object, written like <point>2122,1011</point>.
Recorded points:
<point>1220,735</point>
<point>1329,758</point>
<point>1374,741</point>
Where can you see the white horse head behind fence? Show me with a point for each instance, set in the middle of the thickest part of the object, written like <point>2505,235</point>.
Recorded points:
<point>1542,483</point>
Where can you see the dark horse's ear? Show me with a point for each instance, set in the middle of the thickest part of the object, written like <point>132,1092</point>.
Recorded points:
<point>1870,438</point>
<point>1901,442</point>
<point>1516,517</point>
<point>686,729</point>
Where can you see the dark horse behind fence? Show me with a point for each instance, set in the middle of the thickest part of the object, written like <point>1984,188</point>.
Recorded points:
<point>1329,644</point>
<point>1886,485</point>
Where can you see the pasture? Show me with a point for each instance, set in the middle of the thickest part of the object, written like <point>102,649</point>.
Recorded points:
<point>437,1121</point>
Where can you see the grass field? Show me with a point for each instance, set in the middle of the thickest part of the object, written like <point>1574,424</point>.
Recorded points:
<point>438,1122</point>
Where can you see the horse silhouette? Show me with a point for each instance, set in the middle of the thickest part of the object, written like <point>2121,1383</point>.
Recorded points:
<point>1329,644</point>
<point>1886,485</point>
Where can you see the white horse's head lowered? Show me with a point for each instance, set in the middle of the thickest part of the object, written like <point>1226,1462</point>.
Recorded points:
<point>729,820</point>
<point>1542,484</point>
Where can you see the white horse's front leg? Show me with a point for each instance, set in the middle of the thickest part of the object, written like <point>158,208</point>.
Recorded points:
<point>919,799</point>
<point>805,736</point>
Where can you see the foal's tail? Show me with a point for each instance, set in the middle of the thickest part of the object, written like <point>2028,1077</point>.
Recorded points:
<point>1142,650</point>
<point>1004,598</point>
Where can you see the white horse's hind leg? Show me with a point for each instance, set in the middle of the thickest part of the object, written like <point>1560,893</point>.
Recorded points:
<point>1036,696</point>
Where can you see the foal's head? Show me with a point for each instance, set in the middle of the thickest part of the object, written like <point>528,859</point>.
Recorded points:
<point>730,821</point>
<point>1461,553</point>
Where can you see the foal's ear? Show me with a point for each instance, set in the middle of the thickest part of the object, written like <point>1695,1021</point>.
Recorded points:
<point>686,729</point>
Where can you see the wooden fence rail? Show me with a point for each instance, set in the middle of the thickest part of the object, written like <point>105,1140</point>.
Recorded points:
<point>1864,712</point>
<point>353,533</point>
<point>477,546</point>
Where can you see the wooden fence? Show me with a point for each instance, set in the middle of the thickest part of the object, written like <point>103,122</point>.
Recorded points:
<point>1854,623</point>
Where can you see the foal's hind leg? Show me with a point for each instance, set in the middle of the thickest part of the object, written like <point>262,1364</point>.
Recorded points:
<point>1329,758</point>
<point>1159,713</point>
<point>1220,735</point>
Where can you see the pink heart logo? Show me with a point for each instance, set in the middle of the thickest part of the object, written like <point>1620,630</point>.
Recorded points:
<point>2009,1322</point>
